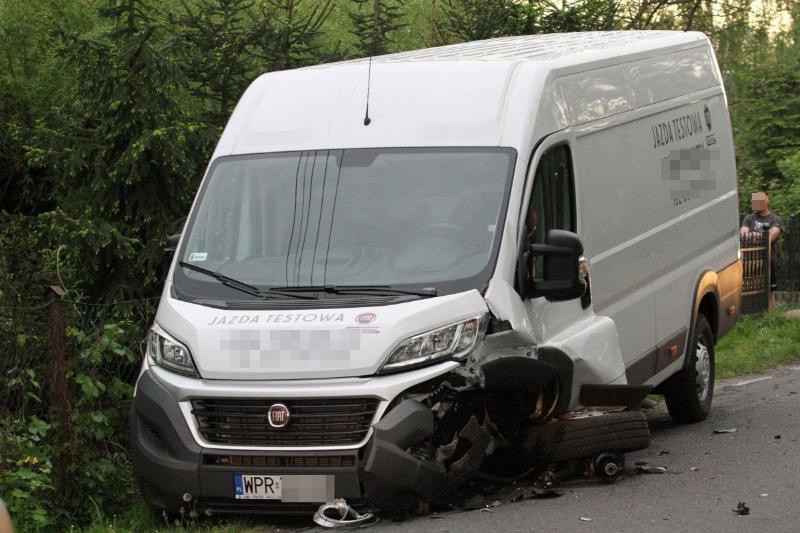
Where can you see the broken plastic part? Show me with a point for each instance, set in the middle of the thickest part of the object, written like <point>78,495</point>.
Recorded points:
<point>742,509</point>
<point>650,469</point>
<point>339,514</point>
<point>394,479</point>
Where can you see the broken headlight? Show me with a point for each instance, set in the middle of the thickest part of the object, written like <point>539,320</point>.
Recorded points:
<point>455,340</point>
<point>166,352</point>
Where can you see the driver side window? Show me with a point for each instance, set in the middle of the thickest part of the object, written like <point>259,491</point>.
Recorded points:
<point>552,203</point>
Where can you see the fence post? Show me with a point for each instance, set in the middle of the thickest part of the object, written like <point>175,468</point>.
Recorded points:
<point>59,399</point>
<point>793,284</point>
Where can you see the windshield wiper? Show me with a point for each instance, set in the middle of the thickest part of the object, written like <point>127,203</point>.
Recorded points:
<point>359,289</point>
<point>242,286</point>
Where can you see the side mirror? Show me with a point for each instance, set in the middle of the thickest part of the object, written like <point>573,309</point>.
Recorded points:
<point>560,278</point>
<point>171,247</point>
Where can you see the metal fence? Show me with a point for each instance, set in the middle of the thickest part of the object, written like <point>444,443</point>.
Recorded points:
<point>756,257</point>
<point>787,260</point>
<point>755,272</point>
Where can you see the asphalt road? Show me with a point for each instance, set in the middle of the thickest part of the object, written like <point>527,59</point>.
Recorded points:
<point>707,475</point>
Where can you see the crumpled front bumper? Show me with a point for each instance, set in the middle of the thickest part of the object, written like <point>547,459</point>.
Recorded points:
<point>175,468</point>
<point>172,462</point>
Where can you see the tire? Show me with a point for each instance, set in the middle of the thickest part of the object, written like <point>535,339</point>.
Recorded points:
<point>689,392</point>
<point>582,438</point>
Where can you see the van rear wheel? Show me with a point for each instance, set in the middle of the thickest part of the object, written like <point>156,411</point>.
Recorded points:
<point>689,392</point>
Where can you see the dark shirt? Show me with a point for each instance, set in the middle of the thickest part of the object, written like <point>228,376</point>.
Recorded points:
<point>756,222</point>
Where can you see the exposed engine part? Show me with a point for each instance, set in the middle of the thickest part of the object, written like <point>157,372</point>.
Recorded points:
<point>339,514</point>
<point>546,403</point>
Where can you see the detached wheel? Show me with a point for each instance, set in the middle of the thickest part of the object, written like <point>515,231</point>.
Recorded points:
<point>689,392</point>
<point>609,466</point>
<point>586,436</point>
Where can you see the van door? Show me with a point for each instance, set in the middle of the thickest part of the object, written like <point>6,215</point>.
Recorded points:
<point>551,205</point>
<point>617,209</point>
<point>566,195</point>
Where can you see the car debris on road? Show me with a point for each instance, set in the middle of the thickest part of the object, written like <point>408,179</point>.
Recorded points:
<point>742,509</point>
<point>339,514</point>
<point>579,444</point>
<point>645,468</point>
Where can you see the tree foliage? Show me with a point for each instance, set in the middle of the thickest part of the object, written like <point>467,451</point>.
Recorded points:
<point>374,24</point>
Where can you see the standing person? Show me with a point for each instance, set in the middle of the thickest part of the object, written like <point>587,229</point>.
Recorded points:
<point>761,220</point>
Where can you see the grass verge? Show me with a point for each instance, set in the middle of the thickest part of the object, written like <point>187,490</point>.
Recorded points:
<point>140,519</point>
<point>758,342</point>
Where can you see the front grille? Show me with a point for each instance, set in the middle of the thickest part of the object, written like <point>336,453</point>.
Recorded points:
<point>322,461</point>
<point>312,422</point>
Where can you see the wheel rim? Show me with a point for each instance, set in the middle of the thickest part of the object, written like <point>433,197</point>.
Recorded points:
<point>702,370</point>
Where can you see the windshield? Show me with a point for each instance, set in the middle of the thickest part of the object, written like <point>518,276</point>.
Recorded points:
<point>389,217</point>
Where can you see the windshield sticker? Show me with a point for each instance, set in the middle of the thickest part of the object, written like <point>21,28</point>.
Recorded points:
<point>198,256</point>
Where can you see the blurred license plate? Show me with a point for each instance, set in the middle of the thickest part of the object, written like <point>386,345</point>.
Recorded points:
<point>257,487</point>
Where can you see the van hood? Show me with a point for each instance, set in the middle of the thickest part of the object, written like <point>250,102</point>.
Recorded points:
<point>305,343</point>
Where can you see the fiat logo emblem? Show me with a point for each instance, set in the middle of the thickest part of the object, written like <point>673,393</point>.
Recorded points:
<point>278,415</point>
<point>365,318</point>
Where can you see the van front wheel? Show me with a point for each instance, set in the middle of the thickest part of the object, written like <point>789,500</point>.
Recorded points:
<point>689,392</point>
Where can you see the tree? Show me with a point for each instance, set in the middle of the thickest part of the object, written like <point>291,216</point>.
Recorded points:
<point>589,15</point>
<point>125,149</point>
<point>290,30</point>
<point>471,20</point>
<point>217,38</point>
<point>32,80</point>
<point>374,23</point>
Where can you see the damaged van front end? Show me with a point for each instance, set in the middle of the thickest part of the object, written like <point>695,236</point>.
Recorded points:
<point>441,432</point>
<point>412,430</point>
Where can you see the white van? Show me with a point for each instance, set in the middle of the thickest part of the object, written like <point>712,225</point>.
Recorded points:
<point>393,267</point>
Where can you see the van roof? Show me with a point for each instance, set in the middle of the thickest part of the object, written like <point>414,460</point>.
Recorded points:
<point>497,92</point>
<point>544,47</point>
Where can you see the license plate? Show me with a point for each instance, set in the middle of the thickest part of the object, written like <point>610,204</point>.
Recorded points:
<point>257,487</point>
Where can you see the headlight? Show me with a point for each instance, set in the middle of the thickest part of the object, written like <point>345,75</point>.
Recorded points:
<point>455,340</point>
<point>166,352</point>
